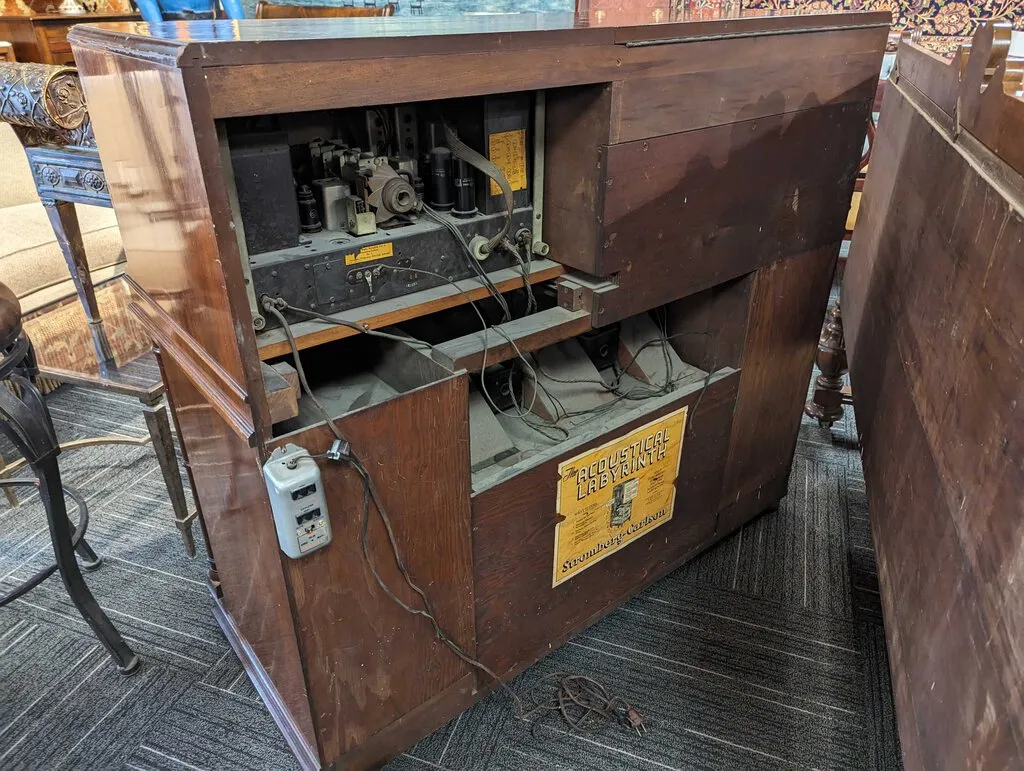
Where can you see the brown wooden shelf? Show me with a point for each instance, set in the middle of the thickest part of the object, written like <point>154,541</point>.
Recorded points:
<point>273,342</point>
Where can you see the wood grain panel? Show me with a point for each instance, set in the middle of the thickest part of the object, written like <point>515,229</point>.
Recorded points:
<point>650,107</point>
<point>723,202</point>
<point>368,662</point>
<point>519,616</point>
<point>226,477</point>
<point>932,301</point>
<point>577,129</point>
<point>160,199</point>
<point>733,197</point>
<point>787,304</point>
<point>251,89</point>
<point>708,329</point>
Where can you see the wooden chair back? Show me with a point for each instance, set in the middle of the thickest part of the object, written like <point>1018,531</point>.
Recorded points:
<point>276,11</point>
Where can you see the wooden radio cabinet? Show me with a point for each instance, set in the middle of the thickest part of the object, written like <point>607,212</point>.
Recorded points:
<point>676,189</point>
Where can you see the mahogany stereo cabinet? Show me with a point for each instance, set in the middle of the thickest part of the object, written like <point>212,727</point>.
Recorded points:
<point>555,287</point>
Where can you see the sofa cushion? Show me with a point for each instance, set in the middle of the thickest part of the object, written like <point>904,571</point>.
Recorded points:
<point>16,185</point>
<point>30,259</point>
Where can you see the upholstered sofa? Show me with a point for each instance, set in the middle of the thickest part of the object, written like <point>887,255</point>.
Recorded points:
<point>31,263</point>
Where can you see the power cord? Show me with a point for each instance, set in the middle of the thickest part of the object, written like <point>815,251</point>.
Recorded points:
<point>583,703</point>
<point>342,452</point>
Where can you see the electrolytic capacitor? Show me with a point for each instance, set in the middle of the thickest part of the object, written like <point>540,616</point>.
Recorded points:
<point>439,186</point>
<point>309,217</point>
<point>465,190</point>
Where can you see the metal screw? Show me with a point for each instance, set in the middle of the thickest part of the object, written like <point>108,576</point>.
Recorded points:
<point>306,266</point>
<point>313,305</point>
<point>272,273</point>
<point>332,299</point>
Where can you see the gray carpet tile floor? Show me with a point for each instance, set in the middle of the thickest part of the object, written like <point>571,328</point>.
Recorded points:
<point>765,652</point>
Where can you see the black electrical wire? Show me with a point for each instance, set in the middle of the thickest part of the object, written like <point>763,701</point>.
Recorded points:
<point>370,493</point>
<point>583,703</point>
<point>282,305</point>
<point>467,252</point>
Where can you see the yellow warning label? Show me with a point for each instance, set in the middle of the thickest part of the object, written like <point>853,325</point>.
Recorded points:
<point>614,494</point>
<point>508,152</point>
<point>370,253</point>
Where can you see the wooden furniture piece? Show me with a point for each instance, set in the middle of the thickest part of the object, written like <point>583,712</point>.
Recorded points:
<point>933,301</point>
<point>45,107</point>
<point>277,11</point>
<point>43,37</point>
<point>6,52</point>
<point>694,177</point>
<point>25,421</point>
<point>830,394</point>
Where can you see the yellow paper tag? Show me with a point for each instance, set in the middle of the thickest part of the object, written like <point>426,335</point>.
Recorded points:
<point>370,253</point>
<point>507,151</point>
<point>616,493</point>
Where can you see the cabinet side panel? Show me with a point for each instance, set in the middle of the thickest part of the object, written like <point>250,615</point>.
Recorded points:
<point>934,290</point>
<point>368,661</point>
<point>235,508</point>
<point>147,143</point>
<point>787,306</point>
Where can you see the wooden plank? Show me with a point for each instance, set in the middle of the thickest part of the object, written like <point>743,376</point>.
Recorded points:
<point>282,397</point>
<point>689,211</point>
<point>707,197</point>
<point>650,107</point>
<point>933,75</point>
<point>274,343</point>
<point>577,128</point>
<point>357,689</point>
<point>513,541</point>
<point>254,89</point>
<point>227,479</point>
<point>787,304</point>
<point>481,349</point>
<point>932,305</point>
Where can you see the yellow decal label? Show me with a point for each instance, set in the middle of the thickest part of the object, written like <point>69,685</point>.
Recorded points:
<point>370,253</point>
<point>611,496</point>
<point>508,152</point>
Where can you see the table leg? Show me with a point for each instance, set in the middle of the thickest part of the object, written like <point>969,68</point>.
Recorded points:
<point>826,405</point>
<point>64,221</point>
<point>159,427</point>
<point>212,575</point>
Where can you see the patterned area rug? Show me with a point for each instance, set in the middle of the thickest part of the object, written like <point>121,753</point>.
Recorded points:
<point>766,652</point>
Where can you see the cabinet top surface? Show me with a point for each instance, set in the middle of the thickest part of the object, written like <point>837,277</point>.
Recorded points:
<point>212,43</point>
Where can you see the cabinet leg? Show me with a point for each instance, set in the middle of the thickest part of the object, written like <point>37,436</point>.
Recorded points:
<point>163,444</point>
<point>826,405</point>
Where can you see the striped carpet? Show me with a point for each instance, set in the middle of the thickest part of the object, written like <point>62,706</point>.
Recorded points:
<point>766,652</point>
